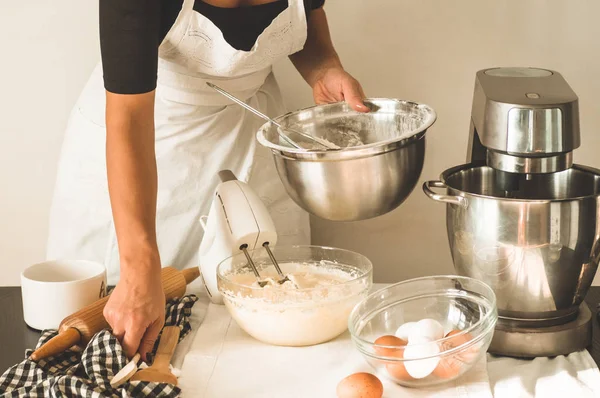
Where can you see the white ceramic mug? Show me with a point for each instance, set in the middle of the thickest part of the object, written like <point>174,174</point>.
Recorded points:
<point>53,290</point>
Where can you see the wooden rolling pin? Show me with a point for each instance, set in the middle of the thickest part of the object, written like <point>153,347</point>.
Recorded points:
<point>80,327</point>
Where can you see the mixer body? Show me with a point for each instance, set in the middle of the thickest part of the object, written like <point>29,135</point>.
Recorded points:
<point>237,219</point>
<point>521,216</point>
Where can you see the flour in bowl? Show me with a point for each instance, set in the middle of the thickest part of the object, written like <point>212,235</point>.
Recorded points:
<point>311,309</point>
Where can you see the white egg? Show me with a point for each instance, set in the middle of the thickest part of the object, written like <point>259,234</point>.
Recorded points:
<point>421,348</point>
<point>404,330</point>
<point>427,328</point>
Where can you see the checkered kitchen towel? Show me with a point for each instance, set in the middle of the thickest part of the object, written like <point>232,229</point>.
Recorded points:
<point>87,373</point>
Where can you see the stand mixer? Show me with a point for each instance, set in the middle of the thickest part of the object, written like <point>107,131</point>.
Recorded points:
<point>521,216</point>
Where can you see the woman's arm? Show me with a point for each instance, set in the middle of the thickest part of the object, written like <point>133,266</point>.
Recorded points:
<point>129,38</point>
<point>320,66</point>
<point>136,308</point>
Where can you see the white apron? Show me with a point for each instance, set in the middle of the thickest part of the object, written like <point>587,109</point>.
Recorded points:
<point>198,133</point>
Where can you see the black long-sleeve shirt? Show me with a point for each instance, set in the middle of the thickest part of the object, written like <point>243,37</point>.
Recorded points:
<point>131,32</point>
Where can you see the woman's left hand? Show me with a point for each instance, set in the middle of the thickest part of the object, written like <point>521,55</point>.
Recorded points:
<point>334,85</point>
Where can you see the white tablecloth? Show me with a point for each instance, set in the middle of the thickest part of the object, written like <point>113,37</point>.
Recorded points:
<point>219,360</point>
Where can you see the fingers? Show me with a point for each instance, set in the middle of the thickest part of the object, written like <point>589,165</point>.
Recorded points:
<point>131,339</point>
<point>115,322</point>
<point>149,338</point>
<point>322,94</point>
<point>354,96</point>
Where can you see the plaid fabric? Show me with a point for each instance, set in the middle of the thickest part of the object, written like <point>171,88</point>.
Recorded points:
<point>87,373</point>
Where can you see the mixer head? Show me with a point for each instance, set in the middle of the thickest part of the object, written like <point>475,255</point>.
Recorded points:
<point>523,120</point>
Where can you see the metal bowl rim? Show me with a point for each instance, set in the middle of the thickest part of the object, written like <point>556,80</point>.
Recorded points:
<point>453,170</point>
<point>351,152</point>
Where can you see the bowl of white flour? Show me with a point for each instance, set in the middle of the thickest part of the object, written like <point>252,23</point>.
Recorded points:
<point>326,284</point>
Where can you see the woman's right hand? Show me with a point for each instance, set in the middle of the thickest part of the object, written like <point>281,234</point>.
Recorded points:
<point>136,308</point>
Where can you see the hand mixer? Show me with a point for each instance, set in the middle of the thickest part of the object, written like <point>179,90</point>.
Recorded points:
<point>238,222</point>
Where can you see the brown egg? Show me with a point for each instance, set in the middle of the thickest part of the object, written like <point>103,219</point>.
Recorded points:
<point>391,341</point>
<point>395,369</point>
<point>468,355</point>
<point>458,340</point>
<point>451,365</point>
<point>360,385</point>
<point>448,367</point>
<point>398,371</point>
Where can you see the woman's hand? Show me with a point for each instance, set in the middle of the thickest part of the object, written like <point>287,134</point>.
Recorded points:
<point>334,85</point>
<point>320,66</point>
<point>136,310</point>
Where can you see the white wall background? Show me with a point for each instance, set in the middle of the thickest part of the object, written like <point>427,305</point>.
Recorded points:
<point>423,50</point>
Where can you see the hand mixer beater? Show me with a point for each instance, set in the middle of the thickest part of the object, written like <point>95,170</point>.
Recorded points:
<point>238,222</point>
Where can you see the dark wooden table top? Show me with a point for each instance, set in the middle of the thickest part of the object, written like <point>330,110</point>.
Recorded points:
<point>15,336</point>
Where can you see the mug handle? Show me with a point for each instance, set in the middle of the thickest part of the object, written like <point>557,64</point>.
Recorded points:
<point>450,199</point>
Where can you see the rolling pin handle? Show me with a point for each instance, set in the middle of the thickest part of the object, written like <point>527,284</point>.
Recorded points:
<point>59,343</point>
<point>190,274</point>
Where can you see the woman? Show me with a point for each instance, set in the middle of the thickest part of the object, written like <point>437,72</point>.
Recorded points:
<point>147,137</point>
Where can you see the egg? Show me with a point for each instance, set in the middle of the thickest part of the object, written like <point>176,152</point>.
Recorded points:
<point>395,369</point>
<point>398,371</point>
<point>428,328</point>
<point>404,330</point>
<point>459,338</point>
<point>451,365</point>
<point>390,341</point>
<point>421,347</point>
<point>360,385</point>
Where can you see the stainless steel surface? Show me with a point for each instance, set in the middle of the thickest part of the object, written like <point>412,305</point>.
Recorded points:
<point>518,72</point>
<point>453,200</point>
<point>561,339</point>
<point>253,266</point>
<point>535,241</point>
<point>325,144</point>
<point>521,116</point>
<point>282,278</point>
<point>529,165</point>
<point>355,183</point>
<point>507,120</point>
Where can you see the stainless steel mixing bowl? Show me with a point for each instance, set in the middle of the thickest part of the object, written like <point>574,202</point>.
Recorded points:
<point>534,239</point>
<point>354,183</point>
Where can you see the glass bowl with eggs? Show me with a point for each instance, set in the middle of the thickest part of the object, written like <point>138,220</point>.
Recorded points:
<point>426,331</point>
<point>311,307</point>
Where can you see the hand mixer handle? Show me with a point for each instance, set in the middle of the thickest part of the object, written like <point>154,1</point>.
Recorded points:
<point>227,175</point>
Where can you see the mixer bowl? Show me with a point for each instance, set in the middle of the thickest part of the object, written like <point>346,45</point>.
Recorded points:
<point>287,316</point>
<point>533,238</point>
<point>356,182</point>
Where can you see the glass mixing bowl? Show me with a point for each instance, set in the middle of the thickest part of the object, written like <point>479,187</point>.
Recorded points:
<point>457,303</point>
<point>311,314</point>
